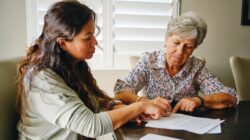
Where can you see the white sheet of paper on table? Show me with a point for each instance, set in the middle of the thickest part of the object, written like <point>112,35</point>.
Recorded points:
<point>185,122</point>
<point>216,129</point>
<point>157,137</point>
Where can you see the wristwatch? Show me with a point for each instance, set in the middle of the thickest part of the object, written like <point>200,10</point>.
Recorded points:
<point>112,103</point>
<point>201,99</point>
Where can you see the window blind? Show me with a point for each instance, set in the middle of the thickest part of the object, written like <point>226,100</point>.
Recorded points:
<point>139,26</point>
<point>128,27</point>
<point>96,5</point>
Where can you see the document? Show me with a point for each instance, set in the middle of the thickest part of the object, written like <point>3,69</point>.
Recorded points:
<point>215,130</point>
<point>157,137</point>
<point>189,123</point>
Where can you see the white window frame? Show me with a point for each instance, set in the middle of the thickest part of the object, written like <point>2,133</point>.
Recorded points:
<point>107,56</point>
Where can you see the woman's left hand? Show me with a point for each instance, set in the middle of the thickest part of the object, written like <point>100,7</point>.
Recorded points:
<point>187,104</point>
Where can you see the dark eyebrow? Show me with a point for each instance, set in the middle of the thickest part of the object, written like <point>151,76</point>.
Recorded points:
<point>87,34</point>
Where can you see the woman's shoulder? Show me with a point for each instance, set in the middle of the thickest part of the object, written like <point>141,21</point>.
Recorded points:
<point>153,54</point>
<point>47,74</point>
<point>153,59</point>
<point>198,61</point>
<point>49,81</point>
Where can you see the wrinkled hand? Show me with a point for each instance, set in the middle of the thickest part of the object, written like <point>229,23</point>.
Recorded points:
<point>160,104</point>
<point>187,104</point>
<point>154,111</point>
<point>163,103</point>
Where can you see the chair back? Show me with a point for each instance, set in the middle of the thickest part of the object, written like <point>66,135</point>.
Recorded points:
<point>241,72</point>
<point>106,78</point>
<point>8,89</point>
<point>133,60</point>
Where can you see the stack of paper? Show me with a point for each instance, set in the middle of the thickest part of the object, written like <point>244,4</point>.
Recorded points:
<point>189,123</point>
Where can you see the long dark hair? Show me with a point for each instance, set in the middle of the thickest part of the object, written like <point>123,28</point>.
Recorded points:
<point>65,20</point>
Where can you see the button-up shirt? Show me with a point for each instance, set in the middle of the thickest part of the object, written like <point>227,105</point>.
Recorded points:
<point>150,76</point>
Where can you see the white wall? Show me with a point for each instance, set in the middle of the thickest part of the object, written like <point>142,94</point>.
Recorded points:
<point>225,37</point>
<point>12,28</point>
<point>106,78</point>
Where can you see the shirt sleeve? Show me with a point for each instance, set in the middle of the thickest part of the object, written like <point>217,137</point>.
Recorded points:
<point>53,100</point>
<point>136,78</point>
<point>209,83</point>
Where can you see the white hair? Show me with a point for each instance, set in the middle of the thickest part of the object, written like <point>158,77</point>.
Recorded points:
<point>188,25</point>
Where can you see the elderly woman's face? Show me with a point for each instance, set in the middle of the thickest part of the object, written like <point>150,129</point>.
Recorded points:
<point>178,50</point>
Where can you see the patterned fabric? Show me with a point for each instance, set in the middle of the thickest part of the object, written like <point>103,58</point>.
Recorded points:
<point>150,76</point>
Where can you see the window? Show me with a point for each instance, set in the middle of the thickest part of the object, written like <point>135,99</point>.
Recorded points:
<point>128,27</point>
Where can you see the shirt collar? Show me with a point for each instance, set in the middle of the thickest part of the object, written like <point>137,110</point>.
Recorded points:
<point>161,61</point>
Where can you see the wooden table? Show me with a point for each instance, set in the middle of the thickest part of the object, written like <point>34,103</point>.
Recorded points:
<point>235,127</point>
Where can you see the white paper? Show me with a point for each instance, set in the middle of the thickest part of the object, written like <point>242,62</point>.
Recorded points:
<point>157,137</point>
<point>184,122</point>
<point>216,129</point>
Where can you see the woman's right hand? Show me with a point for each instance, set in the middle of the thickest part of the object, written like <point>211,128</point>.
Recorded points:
<point>163,103</point>
<point>130,112</point>
<point>154,111</point>
<point>142,117</point>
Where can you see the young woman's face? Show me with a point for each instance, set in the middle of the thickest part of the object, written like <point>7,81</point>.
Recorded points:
<point>83,45</point>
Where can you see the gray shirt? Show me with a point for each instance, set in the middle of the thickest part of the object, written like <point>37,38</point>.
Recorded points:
<point>56,112</point>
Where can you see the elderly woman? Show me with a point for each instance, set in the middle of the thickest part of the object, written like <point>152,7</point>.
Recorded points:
<point>175,74</point>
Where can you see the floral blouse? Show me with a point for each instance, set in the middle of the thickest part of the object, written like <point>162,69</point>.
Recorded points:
<point>151,77</point>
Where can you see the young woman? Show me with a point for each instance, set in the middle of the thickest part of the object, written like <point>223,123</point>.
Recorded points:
<point>58,97</point>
